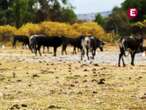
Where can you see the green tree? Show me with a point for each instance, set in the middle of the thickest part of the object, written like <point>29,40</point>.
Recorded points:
<point>4,12</point>
<point>139,4</point>
<point>18,12</point>
<point>118,22</point>
<point>23,11</point>
<point>68,15</point>
<point>55,10</point>
<point>3,4</point>
<point>100,20</point>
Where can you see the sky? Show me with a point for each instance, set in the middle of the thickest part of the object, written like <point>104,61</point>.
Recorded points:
<point>89,6</point>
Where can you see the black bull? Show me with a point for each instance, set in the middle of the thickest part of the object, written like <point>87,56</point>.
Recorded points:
<point>76,43</point>
<point>20,38</point>
<point>36,41</point>
<point>131,44</point>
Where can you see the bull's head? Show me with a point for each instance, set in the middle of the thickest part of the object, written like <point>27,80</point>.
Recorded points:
<point>101,45</point>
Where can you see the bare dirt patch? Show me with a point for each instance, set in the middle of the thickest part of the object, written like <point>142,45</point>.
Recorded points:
<point>63,83</point>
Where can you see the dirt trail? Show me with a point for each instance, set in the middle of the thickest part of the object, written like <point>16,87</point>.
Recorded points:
<point>105,57</point>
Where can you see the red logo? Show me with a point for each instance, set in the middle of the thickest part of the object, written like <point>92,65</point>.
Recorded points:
<point>132,13</point>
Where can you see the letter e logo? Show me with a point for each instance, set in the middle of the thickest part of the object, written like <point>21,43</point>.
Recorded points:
<point>132,13</point>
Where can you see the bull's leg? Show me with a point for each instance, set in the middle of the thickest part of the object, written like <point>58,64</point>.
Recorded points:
<point>35,50</point>
<point>48,49</point>
<point>93,53</point>
<point>87,53</point>
<point>74,50</point>
<point>119,61</point>
<point>82,54</point>
<point>14,44</point>
<point>123,61</point>
<point>132,58</point>
<point>64,49</point>
<point>65,52</point>
<point>43,49</point>
<point>122,53</point>
<point>101,49</point>
<point>39,50</point>
<point>55,49</point>
<point>32,47</point>
<point>29,46</point>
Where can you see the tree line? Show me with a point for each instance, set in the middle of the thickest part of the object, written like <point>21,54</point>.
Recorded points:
<point>18,12</point>
<point>118,21</point>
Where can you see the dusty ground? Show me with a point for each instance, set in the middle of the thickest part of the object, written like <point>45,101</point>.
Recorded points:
<point>63,83</point>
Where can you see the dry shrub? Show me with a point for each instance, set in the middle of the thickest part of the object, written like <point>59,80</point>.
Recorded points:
<point>59,29</point>
<point>89,28</point>
<point>28,29</point>
<point>108,37</point>
<point>6,32</point>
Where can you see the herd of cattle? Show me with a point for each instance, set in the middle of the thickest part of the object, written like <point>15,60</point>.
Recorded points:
<point>86,45</point>
<point>35,42</point>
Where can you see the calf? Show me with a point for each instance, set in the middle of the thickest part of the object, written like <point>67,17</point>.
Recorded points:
<point>36,41</point>
<point>131,44</point>
<point>20,38</point>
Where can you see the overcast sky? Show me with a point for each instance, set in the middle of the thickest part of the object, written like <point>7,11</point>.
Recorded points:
<point>88,6</point>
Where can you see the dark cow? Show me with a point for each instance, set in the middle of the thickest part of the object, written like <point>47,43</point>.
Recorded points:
<point>131,44</point>
<point>88,45</point>
<point>99,44</point>
<point>36,41</point>
<point>20,38</point>
<point>76,43</point>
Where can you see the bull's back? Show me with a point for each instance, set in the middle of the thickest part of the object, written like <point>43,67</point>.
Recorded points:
<point>55,41</point>
<point>21,38</point>
<point>133,43</point>
<point>49,41</point>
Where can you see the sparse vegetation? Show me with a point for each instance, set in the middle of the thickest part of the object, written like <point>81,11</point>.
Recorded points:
<point>44,84</point>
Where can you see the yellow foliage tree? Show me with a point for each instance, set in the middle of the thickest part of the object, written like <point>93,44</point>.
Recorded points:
<point>89,28</point>
<point>57,29</point>
<point>28,29</point>
<point>6,32</point>
<point>7,29</point>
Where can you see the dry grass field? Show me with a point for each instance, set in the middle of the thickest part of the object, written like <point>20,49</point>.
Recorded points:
<point>48,83</point>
